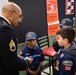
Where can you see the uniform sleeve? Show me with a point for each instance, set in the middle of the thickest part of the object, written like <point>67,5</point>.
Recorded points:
<point>41,53</point>
<point>23,52</point>
<point>8,51</point>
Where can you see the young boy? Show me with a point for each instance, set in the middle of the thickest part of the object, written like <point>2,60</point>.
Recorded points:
<point>33,51</point>
<point>64,22</point>
<point>66,60</point>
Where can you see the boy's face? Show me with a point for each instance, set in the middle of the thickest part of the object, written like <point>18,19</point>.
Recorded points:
<point>31,43</point>
<point>61,41</point>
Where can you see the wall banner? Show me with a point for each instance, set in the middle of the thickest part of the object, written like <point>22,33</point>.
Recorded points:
<point>52,17</point>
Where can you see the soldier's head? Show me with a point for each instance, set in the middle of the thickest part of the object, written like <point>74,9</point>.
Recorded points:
<point>12,12</point>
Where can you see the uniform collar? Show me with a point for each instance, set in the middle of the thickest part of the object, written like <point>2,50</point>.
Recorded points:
<point>33,48</point>
<point>72,47</point>
<point>5,19</point>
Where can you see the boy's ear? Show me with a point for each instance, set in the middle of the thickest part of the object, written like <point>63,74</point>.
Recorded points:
<point>66,40</point>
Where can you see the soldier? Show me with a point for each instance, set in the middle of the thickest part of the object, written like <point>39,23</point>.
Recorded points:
<point>10,63</point>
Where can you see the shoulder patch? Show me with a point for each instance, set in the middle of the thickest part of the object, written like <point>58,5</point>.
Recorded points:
<point>68,63</point>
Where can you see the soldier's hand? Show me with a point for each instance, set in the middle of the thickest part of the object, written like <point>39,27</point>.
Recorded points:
<point>20,56</point>
<point>29,59</point>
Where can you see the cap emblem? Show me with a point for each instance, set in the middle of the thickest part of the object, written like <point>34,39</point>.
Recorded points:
<point>63,21</point>
<point>29,35</point>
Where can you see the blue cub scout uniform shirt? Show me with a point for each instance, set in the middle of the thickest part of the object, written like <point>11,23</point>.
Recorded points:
<point>36,54</point>
<point>65,63</point>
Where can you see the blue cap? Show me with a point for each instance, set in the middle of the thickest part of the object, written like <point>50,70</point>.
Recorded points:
<point>66,22</point>
<point>30,36</point>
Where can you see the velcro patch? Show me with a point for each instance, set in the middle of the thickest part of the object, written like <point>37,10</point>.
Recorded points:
<point>68,68</point>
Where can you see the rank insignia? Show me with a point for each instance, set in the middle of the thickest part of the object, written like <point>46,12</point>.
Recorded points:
<point>12,45</point>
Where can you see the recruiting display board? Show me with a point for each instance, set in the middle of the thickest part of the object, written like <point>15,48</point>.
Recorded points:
<point>58,10</point>
<point>52,17</point>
